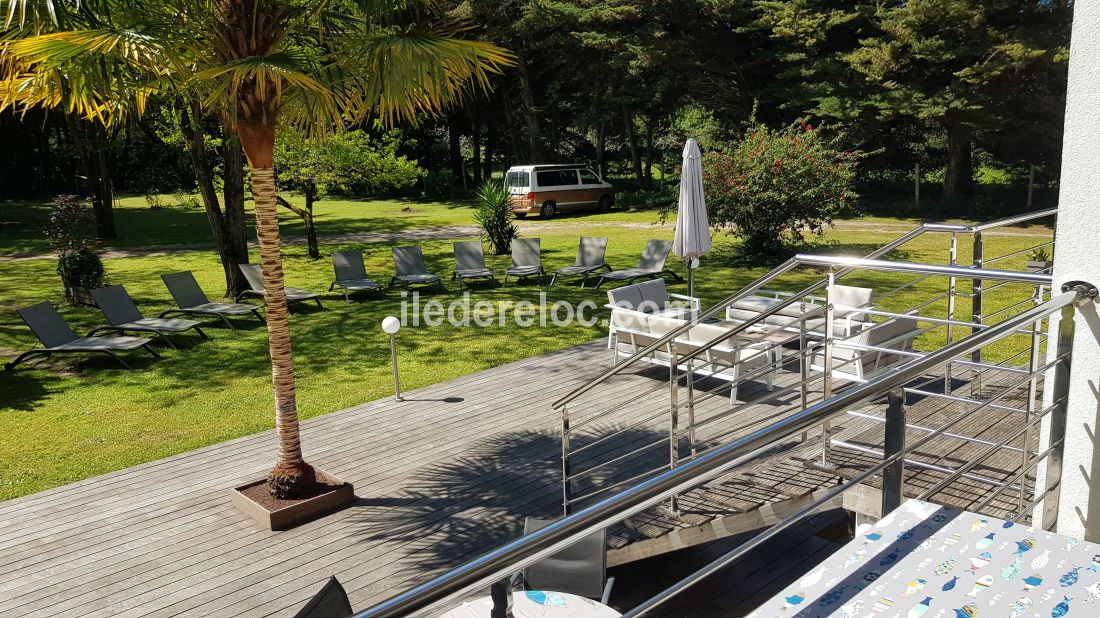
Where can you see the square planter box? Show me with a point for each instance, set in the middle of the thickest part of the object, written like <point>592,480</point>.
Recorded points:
<point>1037,267</point>
<point>296,511</point>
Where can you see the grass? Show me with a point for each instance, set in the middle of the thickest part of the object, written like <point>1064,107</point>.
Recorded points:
<point>78,417</point>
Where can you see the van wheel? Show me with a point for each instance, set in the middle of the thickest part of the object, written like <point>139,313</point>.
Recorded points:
<point>548,210</point>
<point>605,203</point>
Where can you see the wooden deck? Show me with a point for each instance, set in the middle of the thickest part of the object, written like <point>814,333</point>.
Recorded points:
<point>441,477</point>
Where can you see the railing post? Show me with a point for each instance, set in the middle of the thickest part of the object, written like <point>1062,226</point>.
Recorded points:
<point>827,376</point>
<point>976,312</point>
<point>1029,408</point>
<point>566,494</point>
<point>674,414</point>
<point>690,382</point>
<point>803,362</point>
<point>1064,351</point>
<point>893,476</point>
<point>952,283</point>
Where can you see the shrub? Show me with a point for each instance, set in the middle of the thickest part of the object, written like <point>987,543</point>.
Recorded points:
<point>494,215</point>
<point>774,186</point>
<point>71,229</point>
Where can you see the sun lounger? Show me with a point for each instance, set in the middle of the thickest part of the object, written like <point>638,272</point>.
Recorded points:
<point>526,259</point>
<point>192,301</point>
<point>409,264</point>
<point>123,316</point>
<point>650,265</point>
<point>470,262</point>
<point>351,274</point>
<point>57,338</point>
<point>591,252</point>
<point>254,275</point>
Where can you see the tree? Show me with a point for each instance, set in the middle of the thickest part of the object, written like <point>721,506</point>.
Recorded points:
<point>311,65</point>
<point>338,163</point>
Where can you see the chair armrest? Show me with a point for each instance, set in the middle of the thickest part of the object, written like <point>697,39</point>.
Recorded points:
<point>692,301</point>
<point>606,598</point>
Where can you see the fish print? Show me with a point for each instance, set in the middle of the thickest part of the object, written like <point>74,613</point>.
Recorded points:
<point>1049,594</point>
<point>966,611</point>
<point>871,576</point>
<point>1070,543</point>
<point>950,540</point>
<point>1012,571</point>
<point>1020,607</point>
<point>1095,563</point>
<point>832,596</point>
<point>950,584</point>
<point>1024,546</point>
<point>1032,581</point>
<point>872,536</point>
<point>946,566</point>
<point>1041,561</point>
<point>882,605</point>
<point>981,584</point>
<point>1069,578</point>
<point>978,524</point>
<point>1094,593</point>
<point>984,542</point>
<point>794,600</point>
<point>1007,524</point>
<point>855,557</point>
<point>979,561</point>
<point>920,609</point>
<point>1060,609</point>
<point>812,578</point>
<point>996,598</point>
<point>889,559</point>
<point>906,535</point>
<point>853,609</point>
<point>915,585</point>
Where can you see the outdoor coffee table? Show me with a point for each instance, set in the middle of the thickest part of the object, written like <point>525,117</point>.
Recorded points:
<point>928,561</point>
<point>537,604</point>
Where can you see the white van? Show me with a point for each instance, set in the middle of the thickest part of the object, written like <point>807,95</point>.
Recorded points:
<point>546,190</point>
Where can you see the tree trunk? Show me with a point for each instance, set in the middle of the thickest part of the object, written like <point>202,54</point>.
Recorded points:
<point>104,199</point>
<point>530,110</point>
<point>959,180</point>
<point>291,477</point>
<point>307,219</point>
<point>475,140</point>
<point>231,245</point>
<point>601,149</point>
<point>632,135</point>
<point>648,183</point>
<point>490,148</point>
<point>454,149</point>
<point>236,230</point>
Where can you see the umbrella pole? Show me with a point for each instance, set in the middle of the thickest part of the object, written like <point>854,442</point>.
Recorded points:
<point>691,279</point>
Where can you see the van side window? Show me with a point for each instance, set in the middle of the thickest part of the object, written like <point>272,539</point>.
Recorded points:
<point>557,178</point>
<point>589,178</point>
<point>518,179</point>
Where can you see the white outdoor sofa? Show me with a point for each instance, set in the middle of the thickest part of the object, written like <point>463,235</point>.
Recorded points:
<point>868,353</point>
<point>643,313</point>
<point>847,300</point>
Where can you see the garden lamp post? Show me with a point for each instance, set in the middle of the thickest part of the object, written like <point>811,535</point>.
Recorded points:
<point>390,326</point>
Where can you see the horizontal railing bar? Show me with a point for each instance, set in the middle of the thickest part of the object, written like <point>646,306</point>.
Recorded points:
<point>900,288</point>
<point>913,462</point>
<point>1019,477</point>
<point>1024,512</point>
<point>1008,308</point>
<point>501,562</point>
<point>916,427</point>
<point>603,490</point>
<point>990,260</point>
<point>600,466</point>
<point>990,450</point>
<point>981,227</point>
<point>618,431</point>
<point>967,400</point>
<point>946,270</point>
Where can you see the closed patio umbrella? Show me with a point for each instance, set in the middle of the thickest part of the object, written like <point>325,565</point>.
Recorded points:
<point>692,232</point>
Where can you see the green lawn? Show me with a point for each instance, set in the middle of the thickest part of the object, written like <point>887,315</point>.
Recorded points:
<point>77,417</point>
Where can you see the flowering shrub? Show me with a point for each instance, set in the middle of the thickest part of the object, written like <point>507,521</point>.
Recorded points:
<point>72,229</point>
<point>775,186</point>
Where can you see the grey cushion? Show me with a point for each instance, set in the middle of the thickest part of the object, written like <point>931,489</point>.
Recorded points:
<point>357,284</point>
<point>419,278</point>
<point>175,325</point>
<point>102,343</point>
<point>627,297</point>
<point>223,308</point>
<point>654,295</point>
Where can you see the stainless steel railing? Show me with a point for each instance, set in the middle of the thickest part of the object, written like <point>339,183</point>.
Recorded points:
<point>500,563</point>
<point>579,424</point>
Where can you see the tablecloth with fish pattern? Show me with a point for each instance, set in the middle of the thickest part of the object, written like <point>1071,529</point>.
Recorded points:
<point>930,561</point>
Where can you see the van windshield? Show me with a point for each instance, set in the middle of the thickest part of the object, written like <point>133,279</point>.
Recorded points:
<point>518,179</point>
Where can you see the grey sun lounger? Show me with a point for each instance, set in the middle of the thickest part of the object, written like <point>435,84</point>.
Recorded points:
<point>255,278</point>
<point>351,274</point>
<point>58,338</point>
<point>526,259</point>
<point>470,262</point>
<point>651,264</point>
<point>591,252</point>
<point>192,301</point>
<point>409,264</point>
<point>124,316</point>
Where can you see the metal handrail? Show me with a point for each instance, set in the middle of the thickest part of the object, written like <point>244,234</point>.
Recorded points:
<point>502,562</point>
<point>775,273</point>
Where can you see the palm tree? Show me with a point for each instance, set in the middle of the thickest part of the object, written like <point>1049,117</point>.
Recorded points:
<point>312,64</point>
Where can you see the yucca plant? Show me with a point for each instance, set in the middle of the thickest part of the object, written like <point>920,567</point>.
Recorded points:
<point>494,215</point>
<point>262,64</point>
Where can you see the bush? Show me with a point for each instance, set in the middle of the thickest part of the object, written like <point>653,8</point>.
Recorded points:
<point>494,215</point>
<point>71,229</point>
<point>774,186</point>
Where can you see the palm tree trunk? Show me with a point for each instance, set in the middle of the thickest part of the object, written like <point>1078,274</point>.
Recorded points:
<point>292,476</point>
